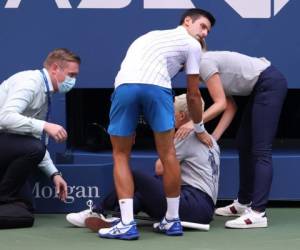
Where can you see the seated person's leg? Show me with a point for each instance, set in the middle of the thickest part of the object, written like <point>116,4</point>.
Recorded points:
<point>195,206</point>
<point>149,191</point>
<point>148,197</point>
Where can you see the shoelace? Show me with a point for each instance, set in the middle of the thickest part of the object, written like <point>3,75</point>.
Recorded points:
<point>90,204</point>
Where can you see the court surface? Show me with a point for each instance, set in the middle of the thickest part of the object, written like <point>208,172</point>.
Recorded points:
<point>52,231</point>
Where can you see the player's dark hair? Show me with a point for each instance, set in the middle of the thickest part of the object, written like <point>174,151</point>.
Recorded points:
<point>196,13</point>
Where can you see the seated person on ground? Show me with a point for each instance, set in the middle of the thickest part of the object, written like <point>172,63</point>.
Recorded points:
<point>199,175</point>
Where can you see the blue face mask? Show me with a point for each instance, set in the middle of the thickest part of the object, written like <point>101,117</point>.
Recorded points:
<point>67,84</point>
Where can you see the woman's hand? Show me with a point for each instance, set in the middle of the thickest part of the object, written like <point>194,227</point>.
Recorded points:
<point>184,130</point>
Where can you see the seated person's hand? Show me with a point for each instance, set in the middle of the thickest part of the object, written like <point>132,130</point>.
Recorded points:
<point>184,130</point>
<point>205,138</point>
<point>60,187</point>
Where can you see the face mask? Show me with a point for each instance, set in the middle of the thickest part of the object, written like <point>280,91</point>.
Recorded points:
<point>66,85</point>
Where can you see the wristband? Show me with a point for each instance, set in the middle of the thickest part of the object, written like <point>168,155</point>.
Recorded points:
<point>54,174</point>
<point>199,127</point>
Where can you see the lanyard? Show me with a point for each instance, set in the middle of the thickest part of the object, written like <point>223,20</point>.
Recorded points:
<point>48,94</point>
<point>45,136</point>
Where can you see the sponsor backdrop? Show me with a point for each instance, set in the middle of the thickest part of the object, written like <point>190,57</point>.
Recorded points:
<point>100,31</point>
<point>86,181</point>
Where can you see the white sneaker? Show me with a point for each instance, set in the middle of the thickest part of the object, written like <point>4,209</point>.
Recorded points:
<point>78,219</point>
<point>234,209</point>
<point>120,231</point>
<point>169,227</point>
<point>250,219</point>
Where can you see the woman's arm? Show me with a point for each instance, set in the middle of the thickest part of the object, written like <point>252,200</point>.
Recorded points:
<point>226,118</point>
<point>216,91</point>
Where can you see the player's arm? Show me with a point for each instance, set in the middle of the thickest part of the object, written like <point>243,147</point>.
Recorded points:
<point>195,108</point>
<point>193,96</point>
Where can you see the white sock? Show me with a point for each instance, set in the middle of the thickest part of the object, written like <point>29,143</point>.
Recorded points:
<point>172,208</point>
<point>126,207</point>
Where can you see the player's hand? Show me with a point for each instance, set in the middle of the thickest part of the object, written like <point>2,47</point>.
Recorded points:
<point>205,138</point>
<point>57,132</point>
<point>184,130</point>
<point>60,187</point>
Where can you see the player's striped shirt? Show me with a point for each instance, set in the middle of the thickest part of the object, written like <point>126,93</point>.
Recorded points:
<point>156,57</point>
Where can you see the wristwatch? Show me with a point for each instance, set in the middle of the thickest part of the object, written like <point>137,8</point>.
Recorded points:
<point>55,173</point>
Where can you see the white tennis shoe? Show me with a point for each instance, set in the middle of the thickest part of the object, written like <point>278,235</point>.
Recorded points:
<point>120,231</point>
<point>250,219</point>
<point>78,219</point>
<point>234,209</point>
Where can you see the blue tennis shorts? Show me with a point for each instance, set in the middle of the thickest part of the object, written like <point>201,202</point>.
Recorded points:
<point>129,101</point>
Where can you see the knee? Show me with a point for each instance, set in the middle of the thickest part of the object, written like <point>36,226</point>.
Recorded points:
<point>138,172</point>
<point>120,156</point>
<point>202,216</point>
<point>140,177</point>
<point>259,153</point>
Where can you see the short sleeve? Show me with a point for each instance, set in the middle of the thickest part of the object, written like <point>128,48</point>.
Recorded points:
<point>194,52</point>
<point>208,68</point>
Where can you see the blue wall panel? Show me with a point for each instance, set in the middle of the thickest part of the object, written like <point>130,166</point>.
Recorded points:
<point>102,35</point>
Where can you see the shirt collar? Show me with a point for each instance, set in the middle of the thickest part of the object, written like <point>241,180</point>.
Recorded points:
<point>49,81</point>
<point>182,29</point>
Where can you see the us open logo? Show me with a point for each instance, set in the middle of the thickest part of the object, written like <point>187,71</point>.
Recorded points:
<point>245,8</point>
